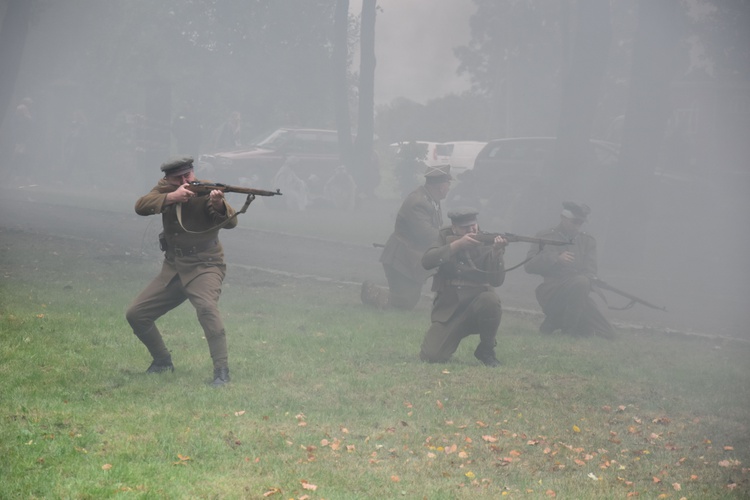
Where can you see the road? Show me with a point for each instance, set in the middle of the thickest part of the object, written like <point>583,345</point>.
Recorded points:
<point>87,217</point>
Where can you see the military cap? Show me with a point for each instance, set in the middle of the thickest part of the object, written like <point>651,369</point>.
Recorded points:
<point>437,173</point>
<point>177,166</point>
<point>464,216</point>
<point>575,210</point>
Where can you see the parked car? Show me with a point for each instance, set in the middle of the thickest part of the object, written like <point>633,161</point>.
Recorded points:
<point>460,155</point>
<point>316,150</point>
<point>512,181</point>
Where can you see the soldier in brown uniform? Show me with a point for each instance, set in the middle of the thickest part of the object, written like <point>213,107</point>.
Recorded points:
<point>567,271</point>
<point>193,267</point>
<point>417,225</point>
<point>465,299</point>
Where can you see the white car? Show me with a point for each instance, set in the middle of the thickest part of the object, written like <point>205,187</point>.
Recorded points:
<point>460,155</point>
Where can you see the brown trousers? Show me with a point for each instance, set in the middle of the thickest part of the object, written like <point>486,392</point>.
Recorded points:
<point>156,300</point>
<point>480,316</point>
<point>404,292</point>
<point>569,307</point>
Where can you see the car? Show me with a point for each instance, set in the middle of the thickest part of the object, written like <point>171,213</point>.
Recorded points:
<point>460,155</point>
<point>512,181</point>
<point>317,152</point>
<point>423,151</point>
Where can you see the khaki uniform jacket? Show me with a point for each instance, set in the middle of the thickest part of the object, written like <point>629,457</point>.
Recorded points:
<point>188,255</point>
<point>545,262</point>
<point>417,225</point>
<point>461,276</point>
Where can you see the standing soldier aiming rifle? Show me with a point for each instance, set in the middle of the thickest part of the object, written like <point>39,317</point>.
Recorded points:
<point>193,267</point>
<point>569,273</point>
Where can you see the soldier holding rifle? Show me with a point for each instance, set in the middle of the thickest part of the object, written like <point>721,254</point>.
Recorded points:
<point>193,267</point>
<point>568,274</point>
<point>465,303</point>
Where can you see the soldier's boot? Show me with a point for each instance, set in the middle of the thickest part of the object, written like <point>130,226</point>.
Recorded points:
<point>485,353</point>
<point>547,326</point>
<point>161,365</point>
<point>374,296</point>
<point>221,377</point>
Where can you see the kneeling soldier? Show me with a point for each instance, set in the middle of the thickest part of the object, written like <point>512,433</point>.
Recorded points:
<point>465,300</point>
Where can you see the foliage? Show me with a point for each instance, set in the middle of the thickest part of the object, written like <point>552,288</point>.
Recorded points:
<point>328,399</point>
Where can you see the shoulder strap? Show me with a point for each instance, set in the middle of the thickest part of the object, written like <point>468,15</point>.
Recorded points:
<point>248,201</point>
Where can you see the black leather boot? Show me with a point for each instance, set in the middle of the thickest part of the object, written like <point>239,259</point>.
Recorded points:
<point>487,356</point>
<point>221,377</point>
<point>161,365</point>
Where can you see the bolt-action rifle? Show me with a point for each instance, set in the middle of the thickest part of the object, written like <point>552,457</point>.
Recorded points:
<point>633,299</point>
<point>206,187</point>
<point>489,238</point>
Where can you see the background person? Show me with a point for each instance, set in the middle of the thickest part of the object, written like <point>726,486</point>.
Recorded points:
<point>564,295</point>
<point>193,267</point>
<point>417,225</point>
<point>465,299</point>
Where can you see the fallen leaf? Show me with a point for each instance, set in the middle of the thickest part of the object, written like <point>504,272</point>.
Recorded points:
<point>470,475</point>
<point>729,448</point>
<point>489,439</point>
<point>550,493</point>
<point>308,486</point>
<point>576,428</point>
<point>592,476</point>
<point>239,413</point>
<point>439,404</point>
<point>451,449</point>
<point>395,479</point>
<point>676,486</point>
<point>272,491</point>
<point>106,466</point>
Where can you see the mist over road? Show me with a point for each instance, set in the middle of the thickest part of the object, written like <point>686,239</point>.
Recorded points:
<point>79,217</point>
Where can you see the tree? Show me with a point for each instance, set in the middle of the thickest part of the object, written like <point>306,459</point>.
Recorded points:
<point>340,68</point>
<point>365,168</point>
<point>15,26</point>
<point>583,69</point>
<point>655,58</point>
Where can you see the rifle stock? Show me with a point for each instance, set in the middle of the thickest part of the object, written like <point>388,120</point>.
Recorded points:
<point>633,299</point>
<point>206,187</point>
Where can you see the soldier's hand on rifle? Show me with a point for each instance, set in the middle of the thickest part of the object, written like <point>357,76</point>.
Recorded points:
<point>566,257</point>
<point>217,200</point>
<point>180,195</point>
<point>464,242</point>
<point>499,244</point>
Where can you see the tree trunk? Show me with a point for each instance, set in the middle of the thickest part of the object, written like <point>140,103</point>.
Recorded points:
<point>12,40</point>
<point>366,170</point>
<point>340,66</point>
<point>583,69</point>
<point>653,67</point>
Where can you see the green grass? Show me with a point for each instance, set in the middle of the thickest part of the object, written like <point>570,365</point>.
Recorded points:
<point>327,393</point>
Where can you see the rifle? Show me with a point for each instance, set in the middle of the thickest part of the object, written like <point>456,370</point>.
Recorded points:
<point>206,187</point>
<point>489,238</point>
<point>203,188</point>
<point>633,299</point>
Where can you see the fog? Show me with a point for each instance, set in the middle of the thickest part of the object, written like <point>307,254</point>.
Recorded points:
<point>102,92</point>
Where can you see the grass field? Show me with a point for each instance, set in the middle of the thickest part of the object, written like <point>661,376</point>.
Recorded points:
<point>329,400</point>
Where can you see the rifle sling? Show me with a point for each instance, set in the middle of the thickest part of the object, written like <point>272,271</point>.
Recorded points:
<point>248,201</point>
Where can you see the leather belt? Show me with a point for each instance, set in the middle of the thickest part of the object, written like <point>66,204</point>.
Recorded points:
<point>188,251</point>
